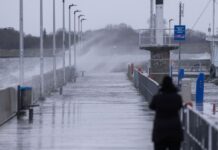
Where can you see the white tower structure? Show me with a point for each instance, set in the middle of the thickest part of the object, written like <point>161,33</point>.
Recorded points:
<point>151,14</point>
<point>152,22</point>
<point>160,51</point>
<point>159,23</point>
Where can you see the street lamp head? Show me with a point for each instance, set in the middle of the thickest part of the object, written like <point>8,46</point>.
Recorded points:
<point>170,20</point>
<point>80,16</point>
<point>72,5</point>
<point>76,11</point>
<point>83,19</point>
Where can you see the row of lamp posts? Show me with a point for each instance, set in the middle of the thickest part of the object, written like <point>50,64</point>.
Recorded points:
<point>21,60</point>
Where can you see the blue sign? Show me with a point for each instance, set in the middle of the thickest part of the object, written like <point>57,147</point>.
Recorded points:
<point>179,32</point>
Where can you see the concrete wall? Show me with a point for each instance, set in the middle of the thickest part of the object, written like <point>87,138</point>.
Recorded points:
<point>48,82</point>
<point>8,97</point>
<point>8,104</point>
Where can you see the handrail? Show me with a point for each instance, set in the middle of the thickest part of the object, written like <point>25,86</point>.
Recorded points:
<point>145,38</point>
<point>200,132</point>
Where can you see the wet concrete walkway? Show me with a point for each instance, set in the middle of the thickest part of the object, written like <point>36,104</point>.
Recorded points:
<point>99,112</point>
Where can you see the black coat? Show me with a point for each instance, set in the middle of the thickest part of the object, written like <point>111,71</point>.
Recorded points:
<point>167,124</point>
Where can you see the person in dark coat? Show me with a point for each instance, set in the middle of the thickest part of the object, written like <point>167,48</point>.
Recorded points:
<point>167,131</point>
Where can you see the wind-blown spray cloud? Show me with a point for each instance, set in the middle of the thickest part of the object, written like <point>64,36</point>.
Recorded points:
<point>111,50</point>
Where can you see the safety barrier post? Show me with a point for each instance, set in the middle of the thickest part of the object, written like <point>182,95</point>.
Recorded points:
<point>188,120</point>
<point>210,138</point>
<point>200,92</point>
<point>214,109</point>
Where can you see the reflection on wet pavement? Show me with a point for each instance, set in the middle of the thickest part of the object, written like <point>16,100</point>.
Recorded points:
<point>99,112</point>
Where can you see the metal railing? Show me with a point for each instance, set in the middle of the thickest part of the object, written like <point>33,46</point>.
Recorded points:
<point>147,37</point>
<point>200,133</point>
<point>191,65</point>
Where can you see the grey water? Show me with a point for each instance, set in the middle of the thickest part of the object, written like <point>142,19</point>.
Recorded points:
<point>9,69</point>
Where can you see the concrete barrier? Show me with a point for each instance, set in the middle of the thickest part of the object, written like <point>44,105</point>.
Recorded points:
<point>145,85</point>
<point>8,104</point>
<point>49,82</point>
<point>8,97</point>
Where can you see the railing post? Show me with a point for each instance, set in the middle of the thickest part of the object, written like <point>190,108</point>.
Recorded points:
<point>187,121</point>
<point>210,138</point>
<point>139,38</point>
<point>214,109</point>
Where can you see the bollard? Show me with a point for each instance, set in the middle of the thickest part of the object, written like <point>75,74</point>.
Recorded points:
<point>19,105</point>
<point>30,114</point>
<point>83,72</point>
<point>61,91</point>
<point>214,109</point>
<point>131,68</point>
<point>129,74</point>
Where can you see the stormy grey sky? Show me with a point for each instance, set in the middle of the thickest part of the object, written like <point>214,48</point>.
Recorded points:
<point>102,12</point>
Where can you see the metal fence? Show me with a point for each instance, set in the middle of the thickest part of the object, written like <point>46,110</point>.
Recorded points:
<point>147,37</point>
<point>191,65</point>
<point>200,133</point>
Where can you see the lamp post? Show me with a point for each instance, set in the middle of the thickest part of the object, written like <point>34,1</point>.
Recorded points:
<point>152,24</point>
<point>21,68</point>
<point>79,30</point>
<point>83,19</point>
<point>63,46</point>
<point>70,33</point>
<point>54,47</point>
<point>213,32</point>
<point>74,40</point>
<point>41,53</point>
<point>181,11</point>
<point>170,20</point>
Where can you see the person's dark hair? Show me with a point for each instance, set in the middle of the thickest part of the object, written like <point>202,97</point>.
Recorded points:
<point>167,85</point>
